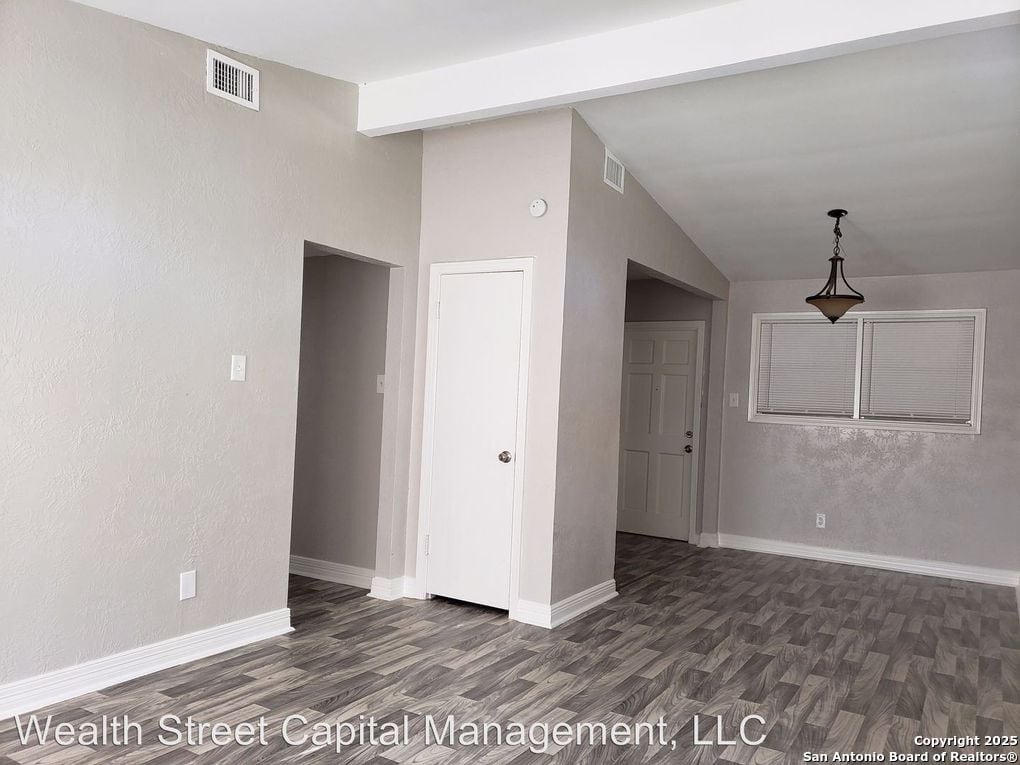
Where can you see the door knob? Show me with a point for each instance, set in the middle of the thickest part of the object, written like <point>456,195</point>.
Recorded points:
<point>504,457</point>
<point>688,448</point>
<point>689,434</point>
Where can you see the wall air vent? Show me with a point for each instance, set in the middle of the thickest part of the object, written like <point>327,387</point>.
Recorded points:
<point>232,80</point>
<point>614,172</point>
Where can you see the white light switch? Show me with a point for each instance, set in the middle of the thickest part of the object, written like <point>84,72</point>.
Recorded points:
<point>734,399</point>
<point>380,383</point>
<point>188,585</point>
<point>238,367</point>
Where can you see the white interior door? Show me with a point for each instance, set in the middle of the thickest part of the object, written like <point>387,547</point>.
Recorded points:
<point>659,426</point>
<point>476,378</point>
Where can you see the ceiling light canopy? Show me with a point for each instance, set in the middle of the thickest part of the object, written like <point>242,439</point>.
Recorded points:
<point>837,296</point>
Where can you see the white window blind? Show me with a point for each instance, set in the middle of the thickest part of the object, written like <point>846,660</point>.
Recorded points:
<point>904,370</point>
<point>918,369</point>
<point>807,368</point>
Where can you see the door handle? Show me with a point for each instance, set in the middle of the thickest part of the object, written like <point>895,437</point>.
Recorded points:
<point>688,448</point>
<point>689,434</point>
<point>504,456</point>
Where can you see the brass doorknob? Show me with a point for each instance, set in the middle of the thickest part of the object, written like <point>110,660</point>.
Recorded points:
<point>688,448</point>
<point>504,457</point>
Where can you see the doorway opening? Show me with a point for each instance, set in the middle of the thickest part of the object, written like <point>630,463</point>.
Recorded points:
<point>663,414</point>
<point>338,450</point>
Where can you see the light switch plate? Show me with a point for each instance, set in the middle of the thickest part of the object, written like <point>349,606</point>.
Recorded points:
<point>189,585</point>
<point>380,383</point>
<point>238,367</point>
<point>734,399</point>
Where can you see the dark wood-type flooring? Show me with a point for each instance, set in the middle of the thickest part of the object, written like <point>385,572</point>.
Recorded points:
<point>833,657</point>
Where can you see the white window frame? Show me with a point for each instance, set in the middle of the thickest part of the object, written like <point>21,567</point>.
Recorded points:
<point>973,428</point>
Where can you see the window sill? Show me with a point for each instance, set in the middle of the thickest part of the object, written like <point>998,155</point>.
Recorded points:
<point>842,422</point>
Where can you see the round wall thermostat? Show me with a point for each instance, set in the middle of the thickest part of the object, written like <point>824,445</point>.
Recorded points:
<point>538,208</point>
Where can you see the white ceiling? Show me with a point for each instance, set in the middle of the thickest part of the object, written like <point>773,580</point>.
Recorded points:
<point>920,142</point>
<point>366,40</point>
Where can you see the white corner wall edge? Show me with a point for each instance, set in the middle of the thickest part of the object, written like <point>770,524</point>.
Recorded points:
<point>36,692</point>
<point>941,569</point>
<point>562,611</point>
<point>393,589</point>
<point>708,540</point>
<point>328,571</point>
<point>533,613</point>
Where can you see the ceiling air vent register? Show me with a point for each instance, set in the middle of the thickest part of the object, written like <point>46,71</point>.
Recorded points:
<point>614,172</point>
<point>232,80</point>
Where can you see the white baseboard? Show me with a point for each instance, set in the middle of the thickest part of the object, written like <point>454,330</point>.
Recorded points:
<point>32,693</point>
<point>531,612</point>
<point>331,572</point>
<point>393,589</point>
<point>708,540</point>
<point>568,608</point>
<point>562,611</point>
<point>889,562</point>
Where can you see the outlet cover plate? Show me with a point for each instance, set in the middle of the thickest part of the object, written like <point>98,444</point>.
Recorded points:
<point>189,585</point>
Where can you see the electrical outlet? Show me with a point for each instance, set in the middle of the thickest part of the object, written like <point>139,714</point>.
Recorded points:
<point>820,521</point>
<point>238,367</point>
<point>188,585</point>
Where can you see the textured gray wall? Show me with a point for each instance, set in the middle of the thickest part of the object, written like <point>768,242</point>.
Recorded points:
<point>654,300</point>
<point>147,231</point>
<point>932,496</point>
<point>477,183</point>
<point>605,230</point>
<point>714,414</point>
<point>339,425</point>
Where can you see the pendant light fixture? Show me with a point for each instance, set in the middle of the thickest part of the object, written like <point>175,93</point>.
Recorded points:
<point>836,299</point>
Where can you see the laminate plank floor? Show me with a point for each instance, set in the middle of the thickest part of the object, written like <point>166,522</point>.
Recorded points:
<point>833,657</point>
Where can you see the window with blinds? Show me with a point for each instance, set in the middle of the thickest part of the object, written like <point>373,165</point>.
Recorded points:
<point>906,370</point>
<point>807,368</point>
<point>918,369</point>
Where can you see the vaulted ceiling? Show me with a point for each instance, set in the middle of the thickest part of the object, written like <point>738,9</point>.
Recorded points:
<point>919,140</point>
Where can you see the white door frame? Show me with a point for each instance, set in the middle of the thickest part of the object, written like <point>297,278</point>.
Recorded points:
<point>699,327</point>
<point>436,272</point>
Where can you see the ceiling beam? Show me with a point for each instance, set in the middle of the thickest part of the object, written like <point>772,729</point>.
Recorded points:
<point>741,36</point>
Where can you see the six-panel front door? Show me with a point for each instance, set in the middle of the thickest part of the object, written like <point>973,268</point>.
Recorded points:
<point>657,447</point>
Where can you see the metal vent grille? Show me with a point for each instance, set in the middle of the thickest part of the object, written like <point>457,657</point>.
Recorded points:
<point>615,172</point>
<point>232,80</point>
